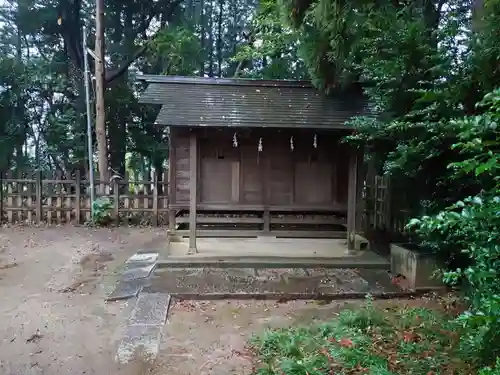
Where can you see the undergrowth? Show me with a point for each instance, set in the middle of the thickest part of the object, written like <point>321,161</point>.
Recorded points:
<point>368,340</point>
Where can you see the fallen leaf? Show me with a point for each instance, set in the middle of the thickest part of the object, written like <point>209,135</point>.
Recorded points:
<point>346,343</point>
<point>410,337</point>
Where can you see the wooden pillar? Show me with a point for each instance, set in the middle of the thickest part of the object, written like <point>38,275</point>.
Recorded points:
<point>193,174</point>
<point>266,215</point>
<point>172,184</point>
<point>360,185</point>
<point>352,198</point>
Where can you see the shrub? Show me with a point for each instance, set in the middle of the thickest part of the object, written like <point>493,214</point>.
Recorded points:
<point>472,227</point>
<point>101,209</point>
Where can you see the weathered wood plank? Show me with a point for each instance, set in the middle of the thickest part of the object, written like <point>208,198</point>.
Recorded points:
<point>336,208</point>
<point>193,187</point>
<point>308,220</point>
<point>221,220</point>
<point>352,205</point>
<point>258,233</point>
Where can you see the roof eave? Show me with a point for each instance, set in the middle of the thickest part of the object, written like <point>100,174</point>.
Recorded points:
<point>150,78</point>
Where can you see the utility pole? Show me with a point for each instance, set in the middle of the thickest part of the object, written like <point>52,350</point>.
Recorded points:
<point>100,120</point>
<point>89,121</point>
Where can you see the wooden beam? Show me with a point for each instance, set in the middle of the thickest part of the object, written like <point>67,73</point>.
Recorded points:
<point>308,220</point>
<point>352,195</point>
<point>172,184</point>
<point>193,187</point>
<point>248,233</point>
<point>222,220</point>
<point>326,208</point>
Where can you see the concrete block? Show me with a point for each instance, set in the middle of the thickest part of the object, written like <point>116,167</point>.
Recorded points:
<point>140,340</point>
<point>361,243</point>
<point>137,271</point>
<point>419,269</point>
<point>125,289</point>
<point>150,309</point>
<point>143,258</point>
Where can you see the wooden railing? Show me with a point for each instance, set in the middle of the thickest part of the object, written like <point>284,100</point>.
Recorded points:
<point>34,198</point>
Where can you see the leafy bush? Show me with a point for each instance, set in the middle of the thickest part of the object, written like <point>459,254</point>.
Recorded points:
<point>472,227</point>
<point>491,371</point>
<point>101,209</point>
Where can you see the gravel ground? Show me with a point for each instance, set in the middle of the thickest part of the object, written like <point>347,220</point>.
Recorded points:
<point>247,280</point>
<point>53,282</point>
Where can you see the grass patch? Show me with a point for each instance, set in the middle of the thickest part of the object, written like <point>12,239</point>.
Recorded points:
<point>368,340</point>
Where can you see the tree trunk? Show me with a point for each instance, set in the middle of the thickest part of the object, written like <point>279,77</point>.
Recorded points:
<point>219,38</point>
<point>211,39</point>
<point>100,125</point>
<point>122,42</point>
<point>202,36</point>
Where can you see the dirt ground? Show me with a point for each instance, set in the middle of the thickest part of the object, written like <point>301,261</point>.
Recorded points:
<point>54,319</point>
<point>53,282</point>
<point>203,338</point>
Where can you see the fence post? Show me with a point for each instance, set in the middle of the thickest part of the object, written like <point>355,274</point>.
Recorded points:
<point>78,179</point>
<point>116,194</point>
<point>1,197</point>
<point>39,196</point>
<point>388,205</point>
<point>155,199</point>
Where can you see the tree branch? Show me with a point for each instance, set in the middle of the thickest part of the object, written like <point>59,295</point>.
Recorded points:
<point>111,76</point>
<point>141,50</point>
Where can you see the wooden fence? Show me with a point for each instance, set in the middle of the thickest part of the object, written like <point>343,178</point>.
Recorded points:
<point>382,210</point>
<point>33,198</point>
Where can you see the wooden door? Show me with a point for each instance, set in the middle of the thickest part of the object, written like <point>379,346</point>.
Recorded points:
<point>251,175</point>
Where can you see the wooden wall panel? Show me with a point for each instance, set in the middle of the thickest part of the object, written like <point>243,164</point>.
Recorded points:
<point>250,175</point>
<point>231,175</point>
<point>216,180</point>
<point>342,174</point>
<point>313,183</point>
<point>280,174</point>
<point>217,166</point>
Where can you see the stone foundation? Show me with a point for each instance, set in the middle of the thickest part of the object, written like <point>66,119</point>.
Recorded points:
<point>418,269</point>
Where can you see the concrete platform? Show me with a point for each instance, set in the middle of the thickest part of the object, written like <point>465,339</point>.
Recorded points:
<point>269,252</point>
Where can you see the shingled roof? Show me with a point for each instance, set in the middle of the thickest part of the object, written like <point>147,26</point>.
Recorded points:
<point>195,102</point>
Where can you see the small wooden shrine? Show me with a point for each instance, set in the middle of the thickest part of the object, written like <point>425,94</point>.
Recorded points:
<point>258,158</point>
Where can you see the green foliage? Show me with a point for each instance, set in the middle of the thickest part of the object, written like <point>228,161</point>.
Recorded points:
<point>180,48</point>
<point>273,52</point>
<point>365,340</point>
<point>491,371</point>
<point>102,209</point>
<point>472,227</point>
<point>424,66</point>
<point>42,95</point>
